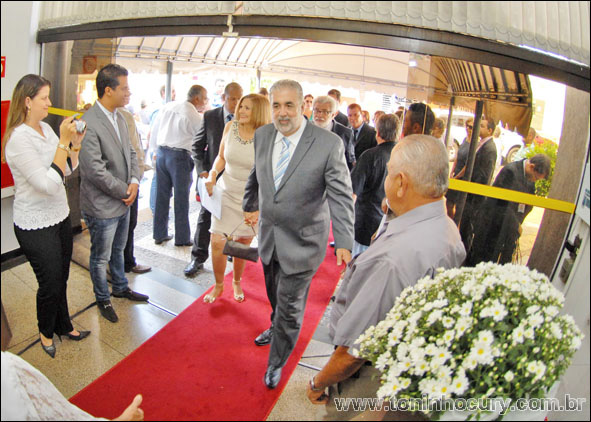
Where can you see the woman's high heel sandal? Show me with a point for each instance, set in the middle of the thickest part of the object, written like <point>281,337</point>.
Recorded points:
<point>238,297</point>
<point>50,350</point>
<point>210,298</point>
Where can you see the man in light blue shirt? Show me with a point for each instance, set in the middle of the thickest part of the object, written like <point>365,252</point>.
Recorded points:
<point>179,122</point>
<point>413,245</point>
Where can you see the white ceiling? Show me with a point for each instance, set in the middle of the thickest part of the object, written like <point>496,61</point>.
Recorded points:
<point>382,70</point>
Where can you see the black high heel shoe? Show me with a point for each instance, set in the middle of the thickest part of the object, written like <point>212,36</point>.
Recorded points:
<point>50,350</point>
<point>82,335</point>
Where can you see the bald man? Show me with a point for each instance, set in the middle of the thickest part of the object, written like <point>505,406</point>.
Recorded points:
<point>413,245</point>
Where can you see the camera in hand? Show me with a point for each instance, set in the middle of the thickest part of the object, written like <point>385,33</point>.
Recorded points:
<point>80,125</point>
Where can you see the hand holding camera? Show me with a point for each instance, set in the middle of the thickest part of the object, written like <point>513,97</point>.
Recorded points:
<point>80,125</point>
<point>72,130</point>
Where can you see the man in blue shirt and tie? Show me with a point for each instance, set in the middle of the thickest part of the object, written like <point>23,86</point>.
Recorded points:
<point>364,136</point>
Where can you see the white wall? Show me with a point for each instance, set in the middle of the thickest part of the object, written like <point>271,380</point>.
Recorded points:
<point>20,20</point>
<point>576,379</point>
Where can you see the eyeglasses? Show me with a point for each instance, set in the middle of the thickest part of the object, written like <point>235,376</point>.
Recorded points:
<point>469,127</point>
<point>325,112</point>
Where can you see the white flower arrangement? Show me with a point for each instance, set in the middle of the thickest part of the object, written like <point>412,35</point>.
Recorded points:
<point>484,332</point>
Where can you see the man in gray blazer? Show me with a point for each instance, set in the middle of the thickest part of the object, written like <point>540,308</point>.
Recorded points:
<point>300,181</point>
<point>108,187</point>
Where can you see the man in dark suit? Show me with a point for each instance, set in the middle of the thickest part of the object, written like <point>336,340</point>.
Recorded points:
<point>364,136</point>
<point>206,146</point>
<point>484,167</point>
<point>324,108</point>
<point>499,222</point>
<point>298,166</point>
<point>339,117</point>
<point>418,120</point>
<point>109,182</point>
<point>367,179</point>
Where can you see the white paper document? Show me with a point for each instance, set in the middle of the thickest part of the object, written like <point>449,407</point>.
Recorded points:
<point>212,203</point>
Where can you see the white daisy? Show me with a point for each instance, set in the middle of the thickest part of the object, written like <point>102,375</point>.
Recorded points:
<point>420,367</point>
<point>518,334</point>
<point>535,320</point>
<point>470,363</point>
<point>434,317</point>
<point>482,352</point>
<point>449,336</point>
<point>576,343</point>
<point>555,330</point>
<point>486,336</point>
<point>448,322</point>
<point>460,384</point>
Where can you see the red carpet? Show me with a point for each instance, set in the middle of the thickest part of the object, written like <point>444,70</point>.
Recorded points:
<point>203,365</point>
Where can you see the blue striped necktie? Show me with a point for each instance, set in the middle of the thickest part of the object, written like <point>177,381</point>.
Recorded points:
<point>282,162</point>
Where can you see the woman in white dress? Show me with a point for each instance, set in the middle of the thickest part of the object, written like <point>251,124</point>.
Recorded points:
<point>39,162</point>
<point>235,159</point>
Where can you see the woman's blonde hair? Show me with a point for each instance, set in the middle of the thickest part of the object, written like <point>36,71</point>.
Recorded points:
<point>28,86</point>
<point>261,109</point>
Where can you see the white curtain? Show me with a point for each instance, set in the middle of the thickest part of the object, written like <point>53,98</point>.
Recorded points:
<point>558,27</point>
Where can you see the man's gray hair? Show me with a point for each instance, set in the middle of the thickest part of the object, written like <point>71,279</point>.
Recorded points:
<point>425,161</point>
<point>325,99</point>
<point>288,84</point>
<point>439,123</point>
<point>388,127</point>
<point>195,91</point>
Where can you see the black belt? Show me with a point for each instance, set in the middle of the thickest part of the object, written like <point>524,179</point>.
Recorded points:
<point>175,149</point>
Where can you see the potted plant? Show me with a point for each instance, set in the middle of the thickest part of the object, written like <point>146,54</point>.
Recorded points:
<point>490,333</point>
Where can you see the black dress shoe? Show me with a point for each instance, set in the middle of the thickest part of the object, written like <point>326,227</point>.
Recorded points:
<point>264,338</point>
<point>131,295</point>
<point>50,350</point>
<point>80,336</point>
<point>189,243</point>
<point>107,311</point>
<point>272,376</point>
<point>164,239</point>
<point>193,267</point>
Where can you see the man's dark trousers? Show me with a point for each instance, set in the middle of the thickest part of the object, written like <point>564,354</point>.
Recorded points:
<point>128,255</point>
<point>288,295</point>
<point>200,250</point>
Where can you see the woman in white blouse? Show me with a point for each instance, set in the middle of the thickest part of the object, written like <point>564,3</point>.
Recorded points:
<point>39,161</point>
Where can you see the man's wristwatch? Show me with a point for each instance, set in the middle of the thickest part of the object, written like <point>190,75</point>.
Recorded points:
<point>313,386</point>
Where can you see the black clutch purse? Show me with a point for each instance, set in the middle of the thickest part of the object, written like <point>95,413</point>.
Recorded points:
<point>240,250</point>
